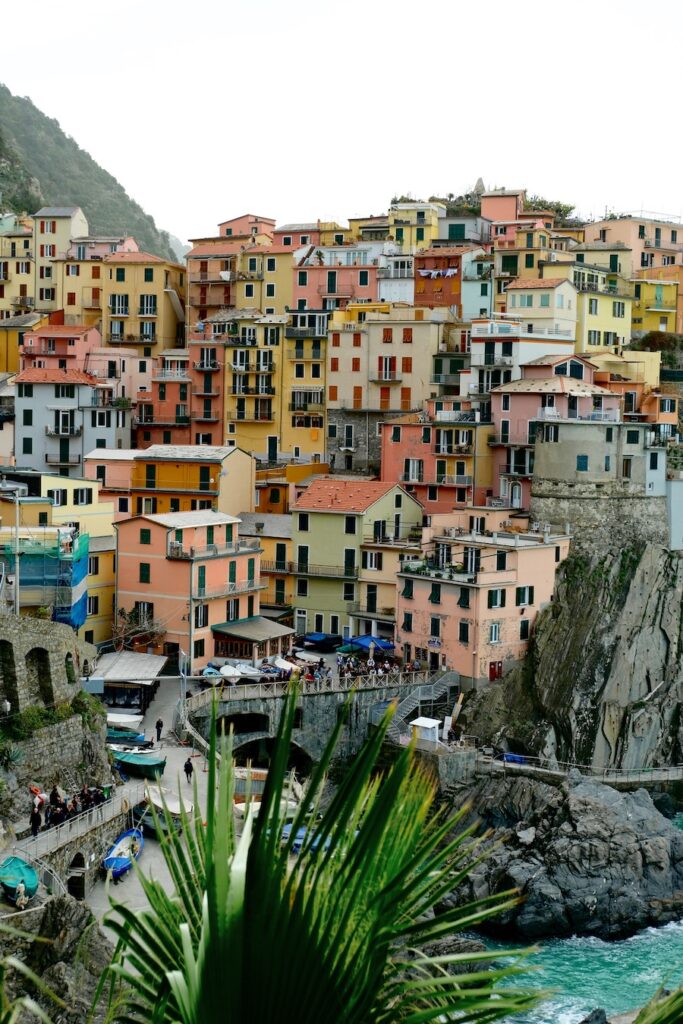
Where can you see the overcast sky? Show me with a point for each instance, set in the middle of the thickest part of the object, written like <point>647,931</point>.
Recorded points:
<point>296,110</point>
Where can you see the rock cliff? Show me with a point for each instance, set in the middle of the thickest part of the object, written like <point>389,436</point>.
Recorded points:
<point>585,858</point>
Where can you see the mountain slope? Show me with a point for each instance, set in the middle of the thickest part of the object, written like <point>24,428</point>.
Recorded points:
<point>39,164</point>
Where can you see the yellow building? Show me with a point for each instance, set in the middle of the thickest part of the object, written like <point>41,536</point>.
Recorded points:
<point>17,293</point>
<point>274,534</point>
<point>604,303</point>
<point>655,304</point>
<point>415,226</point>
<point>332,234</point>
<point>188,478</point>
<point>53,229</point>
<point>79,286</point>
<point>262,278</point>
<point>12,331</point>
<point>141,301</point>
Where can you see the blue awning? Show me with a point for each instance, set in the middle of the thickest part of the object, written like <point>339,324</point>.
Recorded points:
<point>363,643</point>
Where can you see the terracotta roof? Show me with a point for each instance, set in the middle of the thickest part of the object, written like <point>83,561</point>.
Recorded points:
<point>445,250</point>
<point>538,282</point>
<point>219,247</point>
<point>37,376</point>
<point>551,385</point>
<point>327,494</point>
<point>132,257</point>
<point>550,360</point>
<point>61,330</point>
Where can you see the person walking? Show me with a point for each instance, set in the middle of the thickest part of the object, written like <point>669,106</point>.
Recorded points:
<point>35,821</point>
<point>188,769</point>
<point>159,727</point>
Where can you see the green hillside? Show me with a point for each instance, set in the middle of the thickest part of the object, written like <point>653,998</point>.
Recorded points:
<point>40,165</point>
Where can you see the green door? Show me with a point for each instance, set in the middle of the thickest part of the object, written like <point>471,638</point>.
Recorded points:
<point>614,263</point>
<point>251,569</point>
<point>331,282</point>
<point>440,470</point>
<point>232,572</point>
<point>349,562</point>
<point>150,476</point>
<point>279,591</point>
<point>280,557</point>
<point>456,232</point>
<point>64,449</point>
<point>201,580</point>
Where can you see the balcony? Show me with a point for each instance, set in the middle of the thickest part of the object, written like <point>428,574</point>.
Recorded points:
<point>440,448</point>
<point>159,420</point>
<point>310,569</point>
<point>202,393</point>
<point>303,355</point>
<point>207,416</point>
<point>445,378</point>
<point>256,416</point>
<point>171,375</point>
<point>501,328</point>
<point>384,377</point>
<point>131,339</point>
<point>372,611</point>
<point>147,311</point>
<point>6,414</point>
<point>519,471</point>
<point>4,275</point>
<point>23,302</point>
<point>389,274</point>
<point>249,275</point>
<point>306,406</point>
<point>516,441</point>
<point>210,367</point>
<point>446,480</point>
<point>496,361</point>
<point>91,302</point>
<point>206,276</point>
<point>551,415</point>
<point>301,332</point>
<point>118,311</point>
<point>178,552</point>
<point>282,568</point>
<point>234,341</point>
<point>340,291</point>
<point>412,478</point>
<point>63,431</point>
<point>57,460</point>
<point>481,389</point>
<point>228,589</point>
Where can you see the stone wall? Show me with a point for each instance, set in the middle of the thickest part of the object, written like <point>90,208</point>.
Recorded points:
<point>41,662</point>
<point>599,517</point>
<point>79,862</point>
<point>65,753</point>
<point>367,445</point>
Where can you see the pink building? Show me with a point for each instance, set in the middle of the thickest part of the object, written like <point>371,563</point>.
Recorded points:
<point>247,224</point>
<point>94,248</point>
<point>552,388</point>
<point>333,276</point>
<point>58,347</point>
<point>193,586</point>
<point>294,236</point>
<point>471,605</point>
<point>113,468</point>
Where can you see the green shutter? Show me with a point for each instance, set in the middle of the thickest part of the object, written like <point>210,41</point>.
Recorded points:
<point>519,595</point>
<point>490,599</point>
<point>146,536</point>
<point>201,579</point>
<point>232,572</point>
<point>251,569</point>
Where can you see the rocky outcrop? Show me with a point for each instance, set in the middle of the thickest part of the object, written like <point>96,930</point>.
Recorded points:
<point>70,959</point>
<point>586,859</point>
<point>603,683</point>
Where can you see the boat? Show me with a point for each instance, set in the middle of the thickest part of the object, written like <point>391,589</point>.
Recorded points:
<point>229,672</point>
<point>247,670</point>
<point>132,722</point>
<point>135,762</point>
<point>323,641</point>
<point>131,739</point>
<point>174,802</point>
<point>144,815</point>
<point>127,748</point>
<point>14,870</point>
<point>125,850</point>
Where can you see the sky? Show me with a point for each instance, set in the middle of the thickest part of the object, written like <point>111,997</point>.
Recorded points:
<point>310,109</point>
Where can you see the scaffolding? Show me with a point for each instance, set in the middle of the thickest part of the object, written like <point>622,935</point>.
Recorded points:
<point>53,570</point>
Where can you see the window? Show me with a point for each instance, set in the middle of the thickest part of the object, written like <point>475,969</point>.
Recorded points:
<point>302,278</point>
<point>524,596</point>
<point>501,561</point>
<point>524,629</point>
<point>407,624</point>
<point>302,588</point>
<point>654,460</point>
<point>356,340</point>
<point>355,365</point>
<point>593,307</point>
<point>93,605</point>
<point>407,589</point>
<point>396,434</point>
<point>435,595</point>
<point>407,364</point>
<point>270,291</point>
<point>464,632</point>
<point>332,430</point>
<point>198,649</point>
<point>27,417</point>
<point>632,436</point>
<point>464,598</point>
<point>303,522</point>
<point>349,592</point>
<point>27,446</point>
<point>349,524</point>
<point>249,291</point>
<point>371,560</point>
<point>526,301</point>
<point>667,405</point>
<point>581,463</point>
<point>149,275</point>
<point>332,392</point>
<point>201,616</point>
<point>594,337</point>
<point>270,264</point>
<point>608,463</point>
<point>618,309</point>
<point>419,234</point>
<point>387,335</point>
<point>435,626</point>
<point>494,633</point>
<point>93,565</point>
<point>83,496</point>
<point>529,260</point>
<point>407,335</point>
<point>363,278</point>
<point>145,572</point>
<point>496,598</point>
<point>286,239</point>
<point>120,274</point>
<point>545,299</point>
<point>65,391</point>
<point>123,504</point>
<point>145,536</point>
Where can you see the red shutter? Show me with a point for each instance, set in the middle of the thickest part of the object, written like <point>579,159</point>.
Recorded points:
<point>380,363</point>
<point>42,227</point>
<point>54,227</point>
<point>42,250</point>
<point>42,273</point>
<point>392,364</point>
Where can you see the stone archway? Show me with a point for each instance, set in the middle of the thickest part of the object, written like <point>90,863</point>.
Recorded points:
<point>8,675</point>
<point>75,882</point>
<point>242,722</point>
<point>70,669</point>
<point>39,677</point>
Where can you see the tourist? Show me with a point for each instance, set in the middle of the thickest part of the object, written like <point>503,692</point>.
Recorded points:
<point>159,726</point>
<point>35,822</point>
<point>20,898</point>
<point>188,769</point>
<point>54,796</point>
<point>371,664</point>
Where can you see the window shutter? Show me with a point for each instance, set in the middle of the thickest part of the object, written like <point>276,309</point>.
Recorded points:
<point>531,595</point>
<point>42,229</point>
<point>518,595</point>
<point>364,559</point>
<point>379,560</point>
<point>93,419</point>
<point>42,250</point>
<point>502,598</point>
<point>54,227</point>
<point>490,599</point>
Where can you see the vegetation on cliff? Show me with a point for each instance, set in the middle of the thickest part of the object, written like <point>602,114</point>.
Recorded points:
<point>41,165</point>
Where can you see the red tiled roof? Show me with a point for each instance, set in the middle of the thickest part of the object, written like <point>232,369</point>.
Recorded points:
<point>327,494</point>
<point>446,250</point>
<point>61,331</point>
<point>132,257</point>
<point>538,282</point>
<point>38,376</point>
<point>221,247</point>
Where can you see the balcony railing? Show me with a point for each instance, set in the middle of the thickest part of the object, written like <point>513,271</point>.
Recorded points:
<point>206,416</point>
<point>307,406</point>
<point>178,552</point>
<point>384,377</point>
<point>372,611</point>
<point>310,569</point>
<point>144,311</point>
<point>553,415</point>
<point>159,420</point>
<point>63,431</point>
<point>171,375</point>
<point>131,339</point>
<point>413,478</point>
<point>445,378</point>
<point>518,471</point>
<point>452,449</point>
<point>254,416</point>
<point>302,355</point>
<point>301,332</point>
<point>209,367</point>
<point>498,328</point>
<point>234,340</point>
<point>23,301</point>
<point>389,274</point>
<point>57,460</point>
<point>496,361</point>
<point>448,480</point>
<point>516,440</point>
<point>119,311</point>
<point>227,589</point>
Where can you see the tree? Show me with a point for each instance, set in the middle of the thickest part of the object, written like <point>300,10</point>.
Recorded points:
<point>131,628</point>
<point>562,211</point>
<point>255,934</point>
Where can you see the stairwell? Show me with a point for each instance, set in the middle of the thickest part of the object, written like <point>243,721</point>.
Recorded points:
<point>430,693</point>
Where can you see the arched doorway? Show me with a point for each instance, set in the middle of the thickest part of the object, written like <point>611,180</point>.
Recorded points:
<point>75,882</point>
<point>8,674</point>
<point>258,753</point>
<point>70,669</point>
<point>39,676</point>
<point>243,722</point>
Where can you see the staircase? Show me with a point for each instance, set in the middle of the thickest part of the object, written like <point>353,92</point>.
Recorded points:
<point>430,693</point>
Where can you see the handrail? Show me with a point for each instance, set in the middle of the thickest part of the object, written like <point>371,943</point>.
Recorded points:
<point>671,773</point>
<point>54,838</point>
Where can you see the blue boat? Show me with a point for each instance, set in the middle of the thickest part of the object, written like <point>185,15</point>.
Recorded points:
<point>125,850</point>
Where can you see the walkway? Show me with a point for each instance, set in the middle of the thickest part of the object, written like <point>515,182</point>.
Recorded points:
<point>555,775</point>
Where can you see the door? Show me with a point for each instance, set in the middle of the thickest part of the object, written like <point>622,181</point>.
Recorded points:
<point>272,449</point>
<point>279,592</point>
<point>64,449</point>
<point>378,530</point>
<point>331,282</point>
<point>300,621</point>
<point>516,495</point>
<point>572,407</point>
<point>349,562</point>
<point>302,558</point>
<point>280,557</point>
<point>201,580</point>
<point>489,352</point>
<point>440,471</point>
<point>371,597</point>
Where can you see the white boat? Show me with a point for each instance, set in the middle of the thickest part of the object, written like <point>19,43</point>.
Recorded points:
<point>229,672</point>
<point>305,656</point>
<point>124,721</point>
<point>288,808</point>
<point>247,670</point>
<point>121,748</point>
<point>285,666</point>
<point>174,802</point>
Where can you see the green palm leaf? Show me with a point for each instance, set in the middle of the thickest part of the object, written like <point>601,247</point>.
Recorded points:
<point>251,933</point>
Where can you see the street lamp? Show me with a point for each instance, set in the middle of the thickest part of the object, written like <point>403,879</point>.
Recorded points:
<point>16,489</point>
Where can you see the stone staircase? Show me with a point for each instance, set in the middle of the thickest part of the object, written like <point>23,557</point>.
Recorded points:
<point>429,693</point>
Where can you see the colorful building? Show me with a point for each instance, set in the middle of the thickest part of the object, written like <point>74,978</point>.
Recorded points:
<point>334,522</point>
<point>53,229</point>
<point>653,243</point>
<point>141,301</point>
<point>274,533</point>
<point>655,274</point>
<point>415,225</point>
<point>471,605</point>
<point>655,303</point>
<point>186,478</point>
<point>187,582</point>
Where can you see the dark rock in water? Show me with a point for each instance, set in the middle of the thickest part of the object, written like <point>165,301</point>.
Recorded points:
<point>666,804</point>
<point>595,1017</point>
<point>452,945</point>
<point>71,962</point>
<point>592,861</point>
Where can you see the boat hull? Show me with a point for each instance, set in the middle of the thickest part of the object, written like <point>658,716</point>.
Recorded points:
<point>125,850</point>
<point>14,870</point>
<point>140,765</point>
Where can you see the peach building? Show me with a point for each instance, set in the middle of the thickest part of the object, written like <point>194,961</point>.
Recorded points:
<point>58,347</point>
<point>471,605</point>
<point>192,585</point>
<point>113,469</point>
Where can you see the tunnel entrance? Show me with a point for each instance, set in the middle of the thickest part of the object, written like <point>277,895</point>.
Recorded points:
<point>243,722</point>
<point>258,753</point>
<point>75,882</point>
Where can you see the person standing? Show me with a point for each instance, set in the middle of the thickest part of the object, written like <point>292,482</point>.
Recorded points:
<point>159,727</point>
<point>35,822</point>
<point>188,769</point>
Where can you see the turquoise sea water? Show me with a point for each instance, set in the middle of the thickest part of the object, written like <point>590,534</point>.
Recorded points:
<point>617,976</point>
